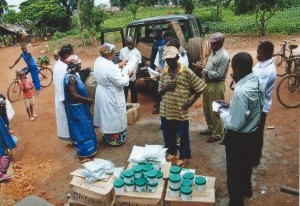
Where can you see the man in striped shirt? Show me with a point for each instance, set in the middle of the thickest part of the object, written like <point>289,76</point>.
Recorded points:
<point>175,84</point>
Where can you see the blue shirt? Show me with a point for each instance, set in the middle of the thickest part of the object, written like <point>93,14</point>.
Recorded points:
<point>245,106</point>
<point>266,72</point>
<point>29,59</point>
<point>156,44</point>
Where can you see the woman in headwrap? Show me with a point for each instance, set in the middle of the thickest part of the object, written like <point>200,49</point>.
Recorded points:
<point>110,106</point>
<point>77,105</point>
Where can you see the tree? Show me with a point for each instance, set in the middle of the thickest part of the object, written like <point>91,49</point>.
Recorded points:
<point>133,7</point>
<point>3,6</point>
<point>265,10</point>
<point>188,6</point>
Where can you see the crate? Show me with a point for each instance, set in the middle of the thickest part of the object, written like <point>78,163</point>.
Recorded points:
<point>132,113</point>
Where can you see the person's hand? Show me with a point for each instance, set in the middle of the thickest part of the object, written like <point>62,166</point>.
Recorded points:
<point>130,73</point>
<point>187,105</point>
<point>90,101</point>
<point>217,114</point>
<point>122,63</point>
<point>199,65</point>
<point>171,86</point>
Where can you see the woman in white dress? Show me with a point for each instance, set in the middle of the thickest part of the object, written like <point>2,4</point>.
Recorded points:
<point>110,106</point>
<point>59,73</point>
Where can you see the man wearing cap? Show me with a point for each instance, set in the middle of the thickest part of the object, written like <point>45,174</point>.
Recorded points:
<point>214,72</point>
<point>175,82</point>
<point>159,42</point>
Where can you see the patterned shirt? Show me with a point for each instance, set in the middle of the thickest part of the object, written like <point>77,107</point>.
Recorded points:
<point>172,101</point>
<point>217,65</point>
<point>245,106</point>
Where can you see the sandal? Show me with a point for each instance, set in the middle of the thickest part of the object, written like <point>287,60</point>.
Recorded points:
<point>4,177</point>
<point>84,159</point>
<point>32,119</point>
<point>35,115</point>
<point>171,158</point>
<point>181,162</point>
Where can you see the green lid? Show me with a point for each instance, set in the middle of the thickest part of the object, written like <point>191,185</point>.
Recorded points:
<point>151,174</point>
<point>175,178</point>
<point>174,189</point>
<point>188,175</point>
<point>137,168</point>
<point>140,182</point>
<point>119,183</point>
<point>122,175</point>
<point>160,174</point>
<point>175,169</point>
<point>152,184</point>
<point>186,190</point>
<point>128,173</point>
<point>129,184</point>
<point>200,180</point>
<point>186,182</point>
<point>147,167</point>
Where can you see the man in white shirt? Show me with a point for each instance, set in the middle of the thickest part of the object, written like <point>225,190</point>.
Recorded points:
<point>265,70</point>
<point>132,55</point>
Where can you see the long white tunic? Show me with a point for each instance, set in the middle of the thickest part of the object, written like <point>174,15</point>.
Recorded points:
<point>110,106</point>
<point>59,73</point>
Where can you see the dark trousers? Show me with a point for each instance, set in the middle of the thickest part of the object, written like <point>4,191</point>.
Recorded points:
<point>259,139</point>
<point>157,95</point>
<point>133,92</point>
<point>170,129</point>
<point>239,156</point>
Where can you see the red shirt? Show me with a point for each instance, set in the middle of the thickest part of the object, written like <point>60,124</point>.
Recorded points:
<point>27,84</point>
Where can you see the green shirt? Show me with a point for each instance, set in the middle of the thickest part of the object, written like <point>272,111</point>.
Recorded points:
<point>172,101</point>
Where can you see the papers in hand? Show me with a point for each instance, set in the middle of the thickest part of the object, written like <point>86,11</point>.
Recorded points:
<point>152,73</point>
<point>216,106</point>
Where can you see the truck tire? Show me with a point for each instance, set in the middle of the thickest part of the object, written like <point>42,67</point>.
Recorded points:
<point>197,47</point>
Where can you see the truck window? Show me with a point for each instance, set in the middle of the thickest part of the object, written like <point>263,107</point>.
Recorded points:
<point>194,28</point>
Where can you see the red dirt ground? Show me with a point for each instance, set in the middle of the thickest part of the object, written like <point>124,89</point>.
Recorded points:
<point>42,162</point>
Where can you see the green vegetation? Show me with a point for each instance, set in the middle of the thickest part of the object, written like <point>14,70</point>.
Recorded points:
<point>283,22</point>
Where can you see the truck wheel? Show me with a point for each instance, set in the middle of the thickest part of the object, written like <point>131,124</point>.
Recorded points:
<point>197,47</point>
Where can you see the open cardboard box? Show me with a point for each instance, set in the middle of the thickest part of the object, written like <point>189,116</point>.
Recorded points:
<point>199,198</point>
<point>96,194</point>
<point>132,110</point>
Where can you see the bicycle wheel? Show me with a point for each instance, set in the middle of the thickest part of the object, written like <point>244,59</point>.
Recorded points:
<point>288,91</point>
<point>45,76</point>
<point>13,92</point>
<point>280,64</point>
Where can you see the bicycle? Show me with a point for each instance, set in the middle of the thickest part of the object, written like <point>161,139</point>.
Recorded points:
<point>288,89</point>
<point>45,76</point>
<point>283,62</point>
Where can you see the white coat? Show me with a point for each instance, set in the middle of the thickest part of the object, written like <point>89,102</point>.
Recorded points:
<point>110,106</point>
<point>59,73</point>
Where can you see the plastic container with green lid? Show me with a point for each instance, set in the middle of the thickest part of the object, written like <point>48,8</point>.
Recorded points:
<point>174,181</point>
<point>175,170</point>
<point>152,187</point>
<point>140,184</point>
<point>119,186</point>
<point>188,175</point>
<point>186,193</point>
<point>146,168</point>
<point>186,182</point>
<point>174,192</point>
<point>160,176</point>
<point>128,176</point>
<point>137,169</point>
<point>130,187</point>
<point>200,183</point>
<point>151,176</point>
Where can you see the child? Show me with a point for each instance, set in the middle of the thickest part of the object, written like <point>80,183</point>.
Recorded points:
<point>28,92</point>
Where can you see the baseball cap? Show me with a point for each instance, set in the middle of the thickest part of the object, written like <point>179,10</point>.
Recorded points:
<point>216,37</point>
<point>170,52</point>
<point>155,30</point>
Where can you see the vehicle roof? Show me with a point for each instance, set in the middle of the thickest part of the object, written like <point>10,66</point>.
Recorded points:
<point>161,19</point>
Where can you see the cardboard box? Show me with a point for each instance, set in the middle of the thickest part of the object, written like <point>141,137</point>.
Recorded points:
<point>199,198</point>
<point>141,198</point>
<point>165,168</point>
<point>132,113</point>
<point>96,194</point>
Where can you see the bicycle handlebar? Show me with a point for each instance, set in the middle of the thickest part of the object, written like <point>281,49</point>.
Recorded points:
<point>289,190</point>
<point>288,41</point>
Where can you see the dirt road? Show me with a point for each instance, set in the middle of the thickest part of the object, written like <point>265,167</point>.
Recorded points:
<point>42,162</point>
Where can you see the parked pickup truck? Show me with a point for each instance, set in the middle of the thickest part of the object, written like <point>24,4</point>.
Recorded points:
<point>187,29</point>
